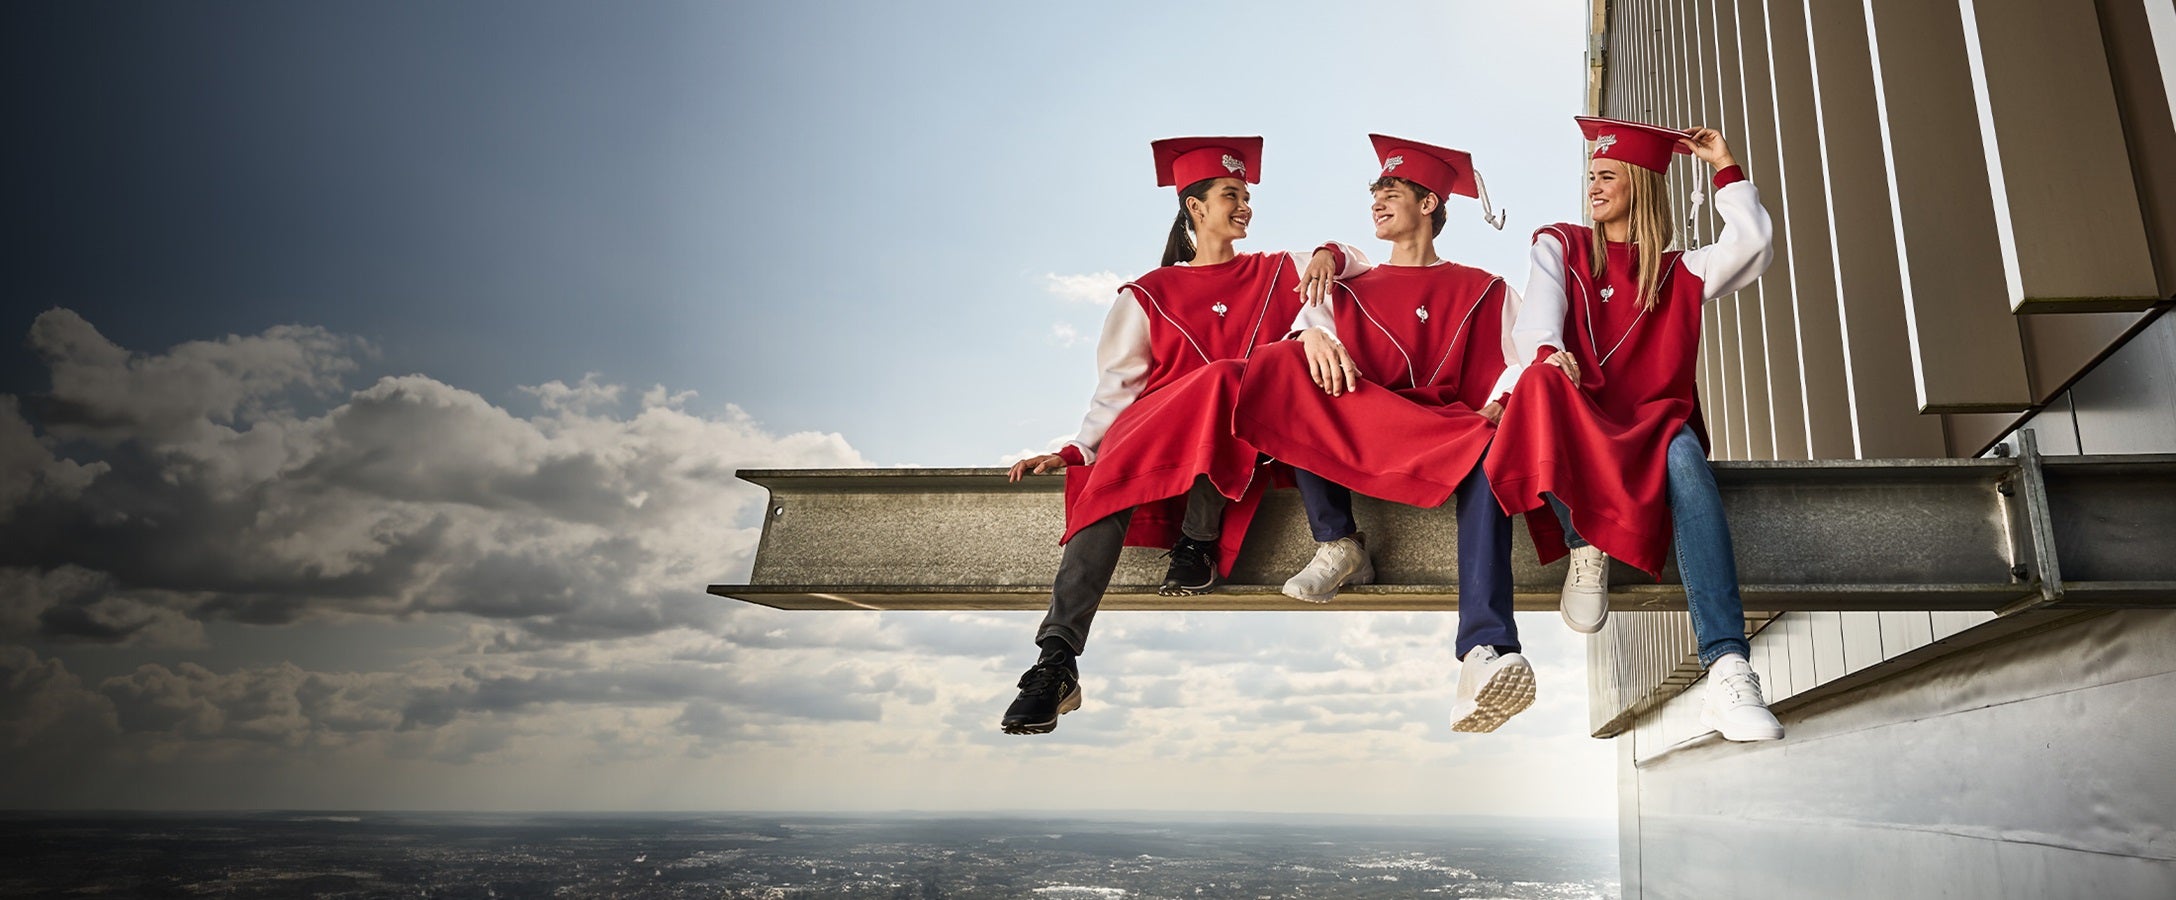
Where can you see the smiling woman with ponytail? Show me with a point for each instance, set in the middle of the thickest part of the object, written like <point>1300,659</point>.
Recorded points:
<point>1179,247</point>
<point>1154,463</point>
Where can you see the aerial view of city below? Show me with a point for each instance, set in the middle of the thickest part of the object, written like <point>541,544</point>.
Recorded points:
<point>454,855</point>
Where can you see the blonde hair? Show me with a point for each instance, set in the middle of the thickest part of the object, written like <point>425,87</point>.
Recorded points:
<point>1649,225</point>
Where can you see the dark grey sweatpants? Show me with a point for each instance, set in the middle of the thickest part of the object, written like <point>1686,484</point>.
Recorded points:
<point>1084,571</point>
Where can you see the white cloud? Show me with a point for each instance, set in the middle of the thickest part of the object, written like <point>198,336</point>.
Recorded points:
<point>586,395</point>
<point>572,543</point>
<point>1065,335</point>
<point>1050,446</point>
<point>1098,288</point>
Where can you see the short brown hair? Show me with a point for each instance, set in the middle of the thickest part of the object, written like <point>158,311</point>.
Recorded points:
<point>1435,219</point>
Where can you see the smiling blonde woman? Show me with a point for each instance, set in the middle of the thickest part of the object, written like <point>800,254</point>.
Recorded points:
<point>1602,444</point>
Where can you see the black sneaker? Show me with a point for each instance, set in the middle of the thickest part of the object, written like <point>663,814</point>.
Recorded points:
<point>1047,691</point>
<point>1193,569</point>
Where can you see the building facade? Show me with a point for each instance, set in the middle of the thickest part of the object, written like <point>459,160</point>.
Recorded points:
<point>1975,229</point>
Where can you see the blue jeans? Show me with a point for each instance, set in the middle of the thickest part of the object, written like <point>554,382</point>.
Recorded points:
<point>1564,518</point>
<point>1484,553</point>
<point>1705,561</point>
<point>1328,505</point>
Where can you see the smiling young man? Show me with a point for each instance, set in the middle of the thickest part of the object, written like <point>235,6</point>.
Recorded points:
<point>1392,388</point>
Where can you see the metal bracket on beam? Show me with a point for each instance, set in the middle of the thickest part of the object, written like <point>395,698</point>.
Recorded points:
<point>2032,484</point>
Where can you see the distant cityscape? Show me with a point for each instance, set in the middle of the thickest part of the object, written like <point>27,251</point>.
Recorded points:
<point>902,857</point>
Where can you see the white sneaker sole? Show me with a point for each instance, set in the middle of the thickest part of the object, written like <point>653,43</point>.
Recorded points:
<point>1564,605</point>
<point>1585,627</point>
<point>1366,575</point>
<point>1709,721</point>
<point>1507,693</point>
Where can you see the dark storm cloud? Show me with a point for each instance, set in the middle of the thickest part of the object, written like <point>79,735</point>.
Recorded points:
<point>203,479</point>
<point>239,480</point>
<point>71,604</point>
<point>837,694</point>
<point>102,392</point>
<point>288,707</point>
<point>44,707</point>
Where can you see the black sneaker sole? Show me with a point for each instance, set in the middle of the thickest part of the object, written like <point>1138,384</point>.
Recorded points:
<point>1181,590</point>
<point>1069,704</point>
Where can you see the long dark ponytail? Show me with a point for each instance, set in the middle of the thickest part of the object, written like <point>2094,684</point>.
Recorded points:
<point>1179,247</point>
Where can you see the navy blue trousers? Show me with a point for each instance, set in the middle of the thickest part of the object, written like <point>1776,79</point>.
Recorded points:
<point>1484,553</point>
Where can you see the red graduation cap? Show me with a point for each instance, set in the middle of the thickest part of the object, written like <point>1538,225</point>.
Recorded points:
<point>1181,161</point>
<point>1439,169</point>
<point>1638,143</point>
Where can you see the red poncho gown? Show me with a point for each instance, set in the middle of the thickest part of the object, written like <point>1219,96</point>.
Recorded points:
<point>1601,446</point>
<point>1432,343</point>
<point>1202,322</point>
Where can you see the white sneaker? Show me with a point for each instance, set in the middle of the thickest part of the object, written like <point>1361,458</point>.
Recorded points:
<point>1491,689</point>
<point>1336,564</point>
<point>1733,706</point>
<point>1586,590</point>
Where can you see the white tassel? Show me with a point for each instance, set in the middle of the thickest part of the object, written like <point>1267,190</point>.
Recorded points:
<point>1692,219</point>
<point>1488,214</point>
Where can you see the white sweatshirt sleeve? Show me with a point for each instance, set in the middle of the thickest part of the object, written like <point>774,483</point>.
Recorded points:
<point>1356,262</point>
<point>1317,317</point>
<point>1744,249</point>
<point>1514,363</point>
<point>1540,321</point>
<point>1122,361</point>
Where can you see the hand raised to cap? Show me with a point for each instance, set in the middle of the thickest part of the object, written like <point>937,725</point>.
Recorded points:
<point>1708,144</point>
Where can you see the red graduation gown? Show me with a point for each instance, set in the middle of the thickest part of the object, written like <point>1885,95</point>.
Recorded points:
<point>1180,426</point>
<point>1601,446</point>
<point>1412,434</point>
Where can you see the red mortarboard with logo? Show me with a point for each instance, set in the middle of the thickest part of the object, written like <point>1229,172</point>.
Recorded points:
<point>1638,143</point>
<point>1181,161</point>
<point>1439,169</point>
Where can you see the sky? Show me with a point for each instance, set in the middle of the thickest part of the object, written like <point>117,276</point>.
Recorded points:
<point>374,375</point>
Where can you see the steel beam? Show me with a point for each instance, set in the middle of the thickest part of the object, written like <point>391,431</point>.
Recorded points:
<point>1930,534</point>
